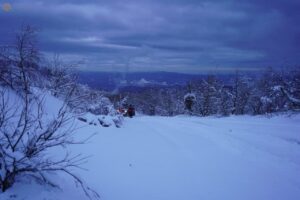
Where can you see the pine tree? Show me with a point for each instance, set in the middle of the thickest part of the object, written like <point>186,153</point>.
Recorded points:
<point>241,94</point>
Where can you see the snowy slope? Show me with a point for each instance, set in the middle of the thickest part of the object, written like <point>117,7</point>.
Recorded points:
<point>161,158</point>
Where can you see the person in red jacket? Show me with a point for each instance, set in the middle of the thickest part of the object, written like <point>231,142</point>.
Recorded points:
<point>130,111</point>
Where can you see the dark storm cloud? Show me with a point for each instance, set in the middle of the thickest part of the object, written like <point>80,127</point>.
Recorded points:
<point>165,35</point>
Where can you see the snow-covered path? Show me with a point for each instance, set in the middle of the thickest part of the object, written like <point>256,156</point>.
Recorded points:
<point>159,158</point>
<point>190,158</point>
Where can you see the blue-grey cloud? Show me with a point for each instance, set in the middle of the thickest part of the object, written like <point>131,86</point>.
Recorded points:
<point>164,35</point>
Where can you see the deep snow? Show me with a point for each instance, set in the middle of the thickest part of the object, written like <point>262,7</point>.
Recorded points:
<point>191,158</point>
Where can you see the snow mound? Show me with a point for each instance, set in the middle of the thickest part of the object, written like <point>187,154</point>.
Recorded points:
<point>102,120</point>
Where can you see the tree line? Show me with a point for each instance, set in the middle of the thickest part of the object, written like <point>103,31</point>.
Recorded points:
<point>266,92</point>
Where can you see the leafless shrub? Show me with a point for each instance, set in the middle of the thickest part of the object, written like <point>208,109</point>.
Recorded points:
<point>26,133</point>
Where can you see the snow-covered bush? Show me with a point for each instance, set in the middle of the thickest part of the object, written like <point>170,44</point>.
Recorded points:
<point>27,134</point>
<point>85,100</point>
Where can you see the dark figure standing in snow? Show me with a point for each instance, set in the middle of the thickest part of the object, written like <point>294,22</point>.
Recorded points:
<point>130,111</point>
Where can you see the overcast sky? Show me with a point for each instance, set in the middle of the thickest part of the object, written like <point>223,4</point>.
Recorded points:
<point>162,35</point>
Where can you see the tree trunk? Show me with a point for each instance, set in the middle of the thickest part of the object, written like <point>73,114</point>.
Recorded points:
<point>8,181</point>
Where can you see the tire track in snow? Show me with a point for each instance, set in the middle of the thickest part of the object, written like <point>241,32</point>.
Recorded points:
<point>168,133</point>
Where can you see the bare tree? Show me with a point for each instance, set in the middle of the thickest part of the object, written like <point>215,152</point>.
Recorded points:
<point>61,76</point>
<point>21,60</point>
<point>26,134</point>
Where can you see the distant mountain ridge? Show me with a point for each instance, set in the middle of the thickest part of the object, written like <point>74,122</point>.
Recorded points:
<point>112,80</point>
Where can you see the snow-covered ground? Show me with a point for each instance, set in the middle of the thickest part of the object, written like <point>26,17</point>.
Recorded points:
<point>185,158</point>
